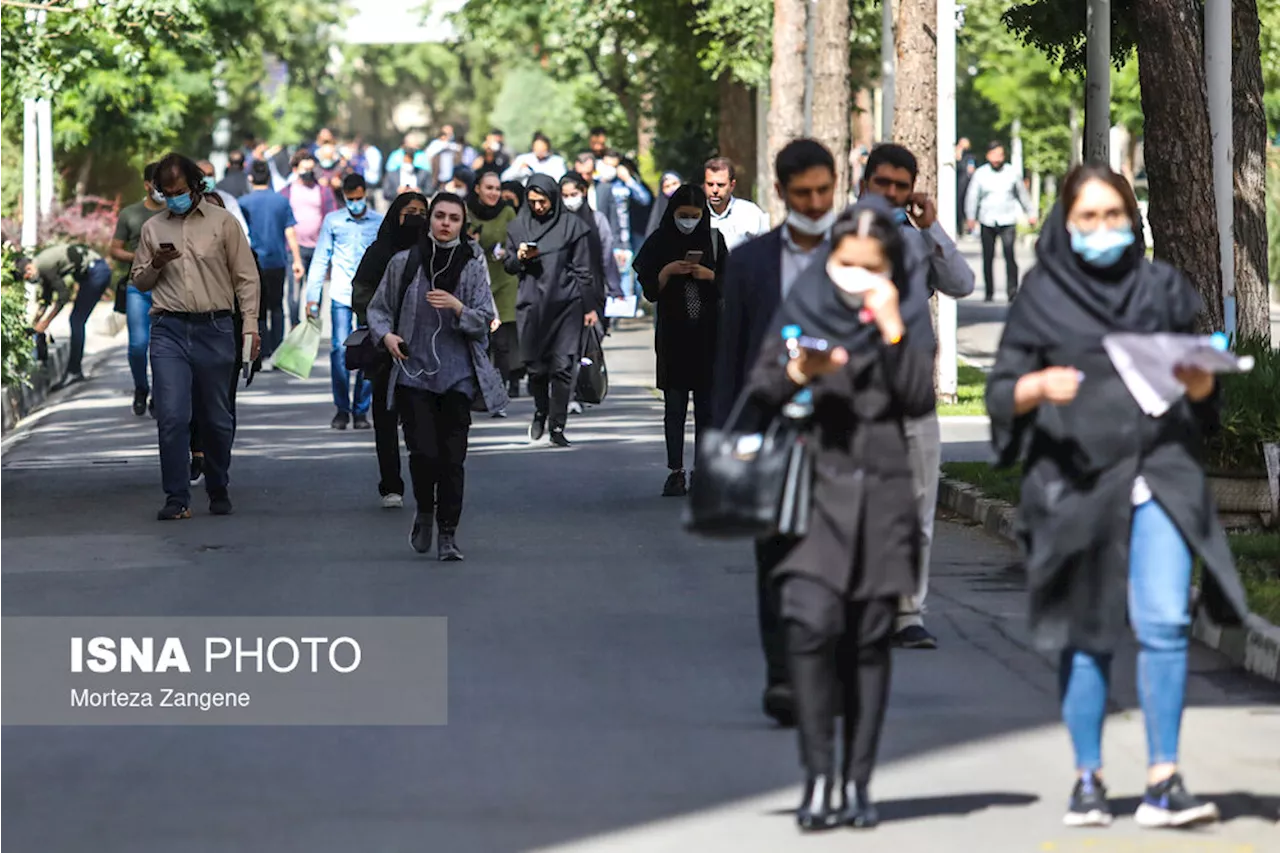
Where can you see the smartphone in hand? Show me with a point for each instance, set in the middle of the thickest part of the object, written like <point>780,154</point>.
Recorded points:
<point>167,247</point>
<point>693,257</point>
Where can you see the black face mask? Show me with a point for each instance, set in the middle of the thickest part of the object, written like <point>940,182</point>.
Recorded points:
<point>414,223</point>
<point>307,177</point>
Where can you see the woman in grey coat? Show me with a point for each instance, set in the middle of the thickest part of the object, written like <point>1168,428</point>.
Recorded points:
<point>432,313</point>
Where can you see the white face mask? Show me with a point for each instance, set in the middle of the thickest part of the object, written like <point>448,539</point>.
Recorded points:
<point>686,224</point>
<point>574,203</point>
<point>446,244</point>
<point>853,283</point>
<point>811,227</point>
<point>157,196</point>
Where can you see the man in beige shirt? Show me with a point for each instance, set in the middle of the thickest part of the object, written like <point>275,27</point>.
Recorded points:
<point>196,262</point>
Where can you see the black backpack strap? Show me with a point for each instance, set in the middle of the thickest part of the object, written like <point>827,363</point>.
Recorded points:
<point>411,266</point>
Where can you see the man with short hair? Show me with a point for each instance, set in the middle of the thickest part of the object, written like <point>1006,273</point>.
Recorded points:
<point>539,161</point>
<point>995,198</point>
<point>272,236</point>
<point>598,141</point>
<point>737,219</point>
<point>599,191</point>
<point>344,237</point>
<point>197,264</point>
<point>137,304</point>
<point>235,182</point>
<point>310,202</point>
<point>759,276</point>
<point>933,264</point>
<point>493,154</point>
<point>632,200</point>
<point>228,200</point>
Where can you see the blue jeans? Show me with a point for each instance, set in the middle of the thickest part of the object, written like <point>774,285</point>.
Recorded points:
<point>192,362</point>
<point>1160,612</point>
<point>343,318</point>
<point>138,317</point>
<point>88,294</point>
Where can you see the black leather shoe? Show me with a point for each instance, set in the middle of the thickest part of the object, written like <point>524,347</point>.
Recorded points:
<point>779,705</point>
<point>420,536</point>
<point>856,808</point>
<point>361,422</point>
<point>447,551</point>
<point>816,812</point>
<point>340,421</point>
<point>538,428</point>
<point>219,503</point>
<point>140,401</point>
<point>914,637</point>
<point>558,439</point>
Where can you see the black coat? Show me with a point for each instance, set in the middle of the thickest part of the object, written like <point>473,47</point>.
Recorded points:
<point>1081,460</point>
<point>752,292</point>
<point>863,541</point>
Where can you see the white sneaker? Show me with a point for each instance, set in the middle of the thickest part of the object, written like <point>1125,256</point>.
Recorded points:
<point>575,408</point>
<point>392,501</point>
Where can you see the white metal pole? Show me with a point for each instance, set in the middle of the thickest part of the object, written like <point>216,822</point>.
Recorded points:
<point>1015,146</point>
<point>30,173</point>
<point>946,185</point>
<point>888,68</point>
<point>1217,72</point>
<point>44,126</point>
<point>1097,94</point>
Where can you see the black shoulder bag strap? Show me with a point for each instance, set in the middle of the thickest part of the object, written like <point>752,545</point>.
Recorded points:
<point>411,266</point>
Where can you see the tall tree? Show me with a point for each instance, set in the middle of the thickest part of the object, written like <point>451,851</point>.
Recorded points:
<point>737,131</point>
<point>1249,135</point>
<point>831,87</point>
<point>1183,219</point>
<point>915,113</point>
<point>786,84</point>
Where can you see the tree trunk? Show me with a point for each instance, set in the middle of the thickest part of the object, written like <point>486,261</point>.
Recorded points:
<point>1249,135</point>
<point>915,100</point>
<point>831,111</point>
<point>1184,222</point>
<point>737,132</point>
<point>786,85</point>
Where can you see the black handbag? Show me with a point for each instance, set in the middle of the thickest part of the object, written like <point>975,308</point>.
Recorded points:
<point>593,375</point>
<point>752,484</point>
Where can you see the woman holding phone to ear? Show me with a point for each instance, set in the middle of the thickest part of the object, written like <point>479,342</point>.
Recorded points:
<point>870,368</point>
<point>681,269</point>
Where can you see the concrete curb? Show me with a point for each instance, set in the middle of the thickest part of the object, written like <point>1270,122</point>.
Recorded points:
<point>1255,646</point>
<point>22,400</point>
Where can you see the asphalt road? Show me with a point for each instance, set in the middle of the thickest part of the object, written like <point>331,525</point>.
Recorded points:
<point>604,668</point>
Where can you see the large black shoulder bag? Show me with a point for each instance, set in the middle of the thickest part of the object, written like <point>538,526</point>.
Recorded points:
<point>593,375</point>
<point>361,350</point>
<point>752,484</point>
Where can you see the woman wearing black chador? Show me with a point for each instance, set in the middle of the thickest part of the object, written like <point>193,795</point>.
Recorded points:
<point>840,583</point>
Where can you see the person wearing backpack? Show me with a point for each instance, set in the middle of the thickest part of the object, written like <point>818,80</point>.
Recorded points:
<point>432,313</point>
<point>404,226</point>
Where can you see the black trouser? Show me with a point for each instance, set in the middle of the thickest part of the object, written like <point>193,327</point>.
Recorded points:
<point>834,644</point>
<point>386,439</point>
<point>551,385</point>
<point>504,351</point>
<point>769,553</point>
<point>435,431</point>
<point>675,411</point>
<point>1007,234</point>
<point>271,311</point>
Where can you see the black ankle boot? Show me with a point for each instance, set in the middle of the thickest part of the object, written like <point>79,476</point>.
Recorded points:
<point>816,811</point>
<point>856,808</point>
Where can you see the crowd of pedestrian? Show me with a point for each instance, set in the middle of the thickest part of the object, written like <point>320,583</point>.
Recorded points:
<point>489,268</point>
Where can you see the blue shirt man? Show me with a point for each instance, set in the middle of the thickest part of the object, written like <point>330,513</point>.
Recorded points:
<point>344,237</point>
<point>271,235</point>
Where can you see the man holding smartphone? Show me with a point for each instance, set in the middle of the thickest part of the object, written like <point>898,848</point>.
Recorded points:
<point>938,267</point>
<point>196,262</point>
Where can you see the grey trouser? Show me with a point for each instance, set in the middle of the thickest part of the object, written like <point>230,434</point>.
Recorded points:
<point>924,447</point>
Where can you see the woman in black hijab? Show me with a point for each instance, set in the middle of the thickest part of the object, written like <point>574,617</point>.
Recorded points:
<point>668,184</point>
<point>513,192</point>
<point>681,269</point>
<point>840,583</point>
<point>604,269</point>
<point>403,226</point>
<point>1114,500</point>
<point>549,250</point>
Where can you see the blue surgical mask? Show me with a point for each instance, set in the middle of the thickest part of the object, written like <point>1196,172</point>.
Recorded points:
<point>210,185</point>
<point>356,207</point>
<point>179,204</point>
<point>1102,247</point>
<point>900,215</point>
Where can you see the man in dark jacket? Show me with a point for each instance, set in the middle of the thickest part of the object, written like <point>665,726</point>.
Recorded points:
<point>760,274</point>
<point>599,191</point>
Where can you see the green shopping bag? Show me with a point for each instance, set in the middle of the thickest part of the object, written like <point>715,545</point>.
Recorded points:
<point>297,353</point>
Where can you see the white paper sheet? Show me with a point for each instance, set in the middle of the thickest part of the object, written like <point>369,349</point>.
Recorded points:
<point>624,307</point>
<point>1146,364</point>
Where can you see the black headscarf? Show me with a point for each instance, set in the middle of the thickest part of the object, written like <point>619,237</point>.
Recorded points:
<point>660,202</point>
<point>517,188</point>
<point>668,243</point>
<point>553,232</point>
<point>481,211</point>
<point>814,303</point>
<point>392,238</point>
<point>443,266</point>
<point>1070,299</point>
<point>588,217</point>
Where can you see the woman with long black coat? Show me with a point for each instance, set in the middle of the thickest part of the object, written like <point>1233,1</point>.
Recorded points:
<point>840,583</point>
<point>1114,500</point>
<point>687,296</point>
<point>404,226</point>
<point>550,252</point>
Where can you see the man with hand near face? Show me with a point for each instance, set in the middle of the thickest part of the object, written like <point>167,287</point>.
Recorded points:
<point>934,264</point>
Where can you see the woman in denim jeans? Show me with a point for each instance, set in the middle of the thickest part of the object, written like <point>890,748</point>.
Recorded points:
<point>1114,500</point>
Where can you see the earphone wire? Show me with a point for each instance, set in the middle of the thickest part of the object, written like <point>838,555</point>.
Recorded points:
<point>435,353</point>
